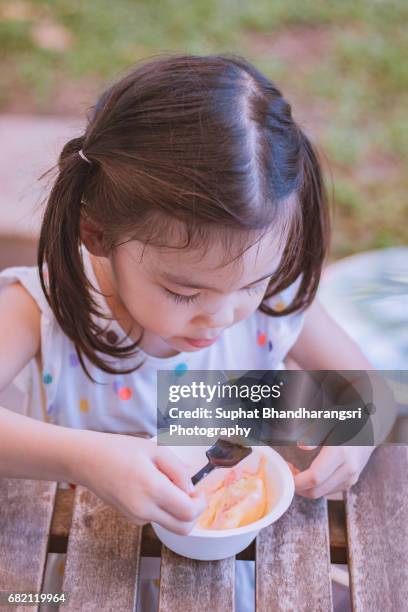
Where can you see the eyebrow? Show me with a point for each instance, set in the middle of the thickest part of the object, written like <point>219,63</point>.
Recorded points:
<point>186,282</point>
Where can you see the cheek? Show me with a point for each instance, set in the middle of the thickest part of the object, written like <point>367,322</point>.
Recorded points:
<point>157,313</point>
<point>167,319</point>
<point>247,307</point>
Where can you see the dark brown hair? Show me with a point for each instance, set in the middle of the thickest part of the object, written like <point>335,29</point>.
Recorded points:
<point>208,141</point>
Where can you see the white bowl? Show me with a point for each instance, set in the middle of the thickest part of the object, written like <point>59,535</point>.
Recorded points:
<point>212,544</point>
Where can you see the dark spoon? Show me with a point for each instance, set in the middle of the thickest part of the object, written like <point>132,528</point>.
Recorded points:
<point>222,454</point>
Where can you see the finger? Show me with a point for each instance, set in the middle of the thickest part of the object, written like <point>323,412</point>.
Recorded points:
<point>293,468</point>
<point>334,484</point>
<point>174,468</point>
<point>326,462</point>
<point>306,446</point>
<point>176,502</point>
<point>168,521</point>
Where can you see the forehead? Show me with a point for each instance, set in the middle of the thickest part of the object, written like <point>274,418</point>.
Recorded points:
<point>226,257</point>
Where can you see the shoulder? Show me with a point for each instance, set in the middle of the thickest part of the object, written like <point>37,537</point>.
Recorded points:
<point>20,330</point>
<point>28,279</point>
<point>23,307</point>
<point>17,297</point>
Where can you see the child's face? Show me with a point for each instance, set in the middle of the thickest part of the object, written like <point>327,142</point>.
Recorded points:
<point>163,292</point>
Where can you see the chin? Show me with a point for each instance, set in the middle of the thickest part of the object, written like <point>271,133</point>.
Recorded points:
<point>180,345</point>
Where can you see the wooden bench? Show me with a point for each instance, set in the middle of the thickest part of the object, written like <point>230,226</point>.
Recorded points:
<point>292,556</point>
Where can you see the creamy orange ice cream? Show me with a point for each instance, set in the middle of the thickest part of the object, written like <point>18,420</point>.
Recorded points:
<point>239,499</point>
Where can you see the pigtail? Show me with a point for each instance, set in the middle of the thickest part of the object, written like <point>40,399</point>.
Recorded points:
<point>67,288</point>
<point>308,242</point>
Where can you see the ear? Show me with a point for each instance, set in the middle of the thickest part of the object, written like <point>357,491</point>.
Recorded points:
<point>92,236</point>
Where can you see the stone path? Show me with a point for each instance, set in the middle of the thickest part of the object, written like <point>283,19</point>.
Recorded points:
<point>29,145</point>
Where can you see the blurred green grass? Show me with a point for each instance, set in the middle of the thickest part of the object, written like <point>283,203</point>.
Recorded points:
<point>341,63</point>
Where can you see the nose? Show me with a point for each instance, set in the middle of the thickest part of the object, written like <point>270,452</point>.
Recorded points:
<point>218,319</point>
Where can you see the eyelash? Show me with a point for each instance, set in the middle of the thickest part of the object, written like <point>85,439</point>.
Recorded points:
<point>184,299</point>
<point>188,299</point>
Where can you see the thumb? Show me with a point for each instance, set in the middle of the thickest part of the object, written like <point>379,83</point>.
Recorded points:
<point>174,468</point>
<point>200,499</point>
<point>306,446</point>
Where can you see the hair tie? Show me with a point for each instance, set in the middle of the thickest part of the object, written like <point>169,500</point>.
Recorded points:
<point>84,157</point>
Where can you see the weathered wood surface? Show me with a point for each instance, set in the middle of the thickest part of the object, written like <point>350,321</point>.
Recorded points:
<point>102,565</point>
<point>377,529</point>
<point>26,508</point>
<point>293,560</point>
<point>151,545</point>
<point>187,585</point>
<point>98,534</point>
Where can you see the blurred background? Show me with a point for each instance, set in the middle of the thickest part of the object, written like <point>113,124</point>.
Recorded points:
<point>342,64</point>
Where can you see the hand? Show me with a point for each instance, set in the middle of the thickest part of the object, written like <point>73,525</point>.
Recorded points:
<point>335,469</point>
<point>143,481</point>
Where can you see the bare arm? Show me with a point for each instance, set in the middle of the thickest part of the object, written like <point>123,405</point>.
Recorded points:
<point>323,345</point>
<point>19,331</point>
<point>39,451</point>
<point>28,447</point>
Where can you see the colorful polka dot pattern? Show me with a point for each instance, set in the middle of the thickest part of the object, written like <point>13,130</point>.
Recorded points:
<point>125,393</point>
<point>263,340</point>
<point>279,306</point>
<point>180,369</point>
<point>261,337</point>
<point>83,405</point>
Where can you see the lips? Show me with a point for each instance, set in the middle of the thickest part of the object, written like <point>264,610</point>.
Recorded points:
<point>200,343</point>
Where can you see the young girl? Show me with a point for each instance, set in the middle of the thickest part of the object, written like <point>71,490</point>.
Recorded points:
<point>186,229</point>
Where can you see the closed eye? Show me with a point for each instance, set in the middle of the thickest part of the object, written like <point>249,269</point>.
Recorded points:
<point>188,299</point>
<point>184,299</point>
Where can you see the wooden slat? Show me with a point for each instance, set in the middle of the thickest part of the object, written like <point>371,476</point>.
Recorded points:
<point>337,523</point>
<point>102,564</point>
<point>151,546</point>
<point>61,525</point>
<point>293,560</point>
<point>337,531</point>
<point>186,584</point>
<point>26,508</point>
<point>61,521</point>
<point>377,529</point>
